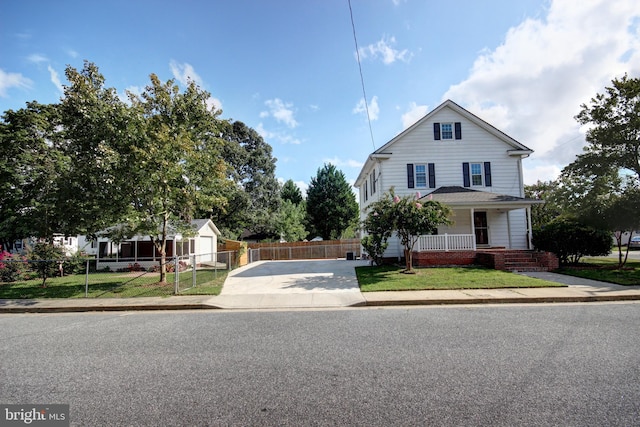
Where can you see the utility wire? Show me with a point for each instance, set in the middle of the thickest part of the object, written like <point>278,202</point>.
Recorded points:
<point>364,93</point>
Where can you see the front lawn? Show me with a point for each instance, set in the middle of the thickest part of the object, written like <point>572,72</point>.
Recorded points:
<point>115,285</point>
<point>604,269</point>
<point>391,278</point>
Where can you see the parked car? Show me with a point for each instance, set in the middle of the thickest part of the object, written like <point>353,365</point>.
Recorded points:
<point>634,243</point>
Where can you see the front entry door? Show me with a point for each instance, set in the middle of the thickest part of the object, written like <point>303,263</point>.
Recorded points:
<point>481,228</point>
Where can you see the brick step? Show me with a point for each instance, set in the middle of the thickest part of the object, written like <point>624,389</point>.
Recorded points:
<point>528,265</point>
<point>526,269</point>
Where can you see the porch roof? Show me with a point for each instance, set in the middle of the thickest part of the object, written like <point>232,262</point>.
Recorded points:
<point>455,196</point>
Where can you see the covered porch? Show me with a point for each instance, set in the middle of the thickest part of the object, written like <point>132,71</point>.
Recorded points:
<point>488,229</point>
<point>481,220</point>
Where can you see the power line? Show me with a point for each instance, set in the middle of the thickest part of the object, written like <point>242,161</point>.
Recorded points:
<point>364,93</point>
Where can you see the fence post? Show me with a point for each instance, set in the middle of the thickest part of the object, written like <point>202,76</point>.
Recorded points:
<point>193,272</point>
<point>176,273</point>
<point>86,281</point>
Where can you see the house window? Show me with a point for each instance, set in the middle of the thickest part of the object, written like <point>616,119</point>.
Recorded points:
<point>476,174</point>
<point>372,177</point>
<point>366,191</point>
<point>421,175</point>
<point>447,131</point>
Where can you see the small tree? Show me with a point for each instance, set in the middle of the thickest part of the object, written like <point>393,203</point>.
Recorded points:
<point>409,217</point>
<point>47,260</point>
<point>413,218</point>
<point>571,239</point>
<point>379,226</point>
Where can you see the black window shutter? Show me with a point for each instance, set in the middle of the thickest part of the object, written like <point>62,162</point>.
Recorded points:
<point>436,131</point>
<point>465,175</point>
<point>458,128</point>
<point>410,183</point>
<point>487,174</point>
<point>432,175</point>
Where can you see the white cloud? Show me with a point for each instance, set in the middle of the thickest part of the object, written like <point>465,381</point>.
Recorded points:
<point>55,79</point>
<point>344,163</point>
<point>36,58</point>
<point>534,173</point>
<point>374,109</point>
<point>185,73</point>
<point>415,113</point>
<point>532,85</point>
<point>281,111</point>
<point>383,49</point>
<point>281,137</point>
<point>11,80</point>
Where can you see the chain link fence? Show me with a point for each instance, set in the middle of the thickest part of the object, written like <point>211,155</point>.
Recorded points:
<point>75,277</point>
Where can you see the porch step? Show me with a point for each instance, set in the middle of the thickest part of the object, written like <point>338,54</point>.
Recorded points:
<point>522,261</point>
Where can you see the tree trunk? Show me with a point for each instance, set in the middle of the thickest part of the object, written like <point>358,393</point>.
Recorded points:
<point>408,261</point>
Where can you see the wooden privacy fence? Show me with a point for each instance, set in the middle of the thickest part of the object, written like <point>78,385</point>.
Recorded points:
<point>325,249</point>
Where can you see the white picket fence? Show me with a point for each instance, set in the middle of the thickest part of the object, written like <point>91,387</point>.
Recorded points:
<point>446,242</point>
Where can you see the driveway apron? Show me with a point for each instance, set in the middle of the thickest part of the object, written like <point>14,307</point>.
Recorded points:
<point>292,284</point>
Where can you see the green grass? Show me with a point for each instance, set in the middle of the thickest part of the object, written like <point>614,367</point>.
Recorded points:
<point>604,269</point>
<point>115,285</point>
<point>391,278</point>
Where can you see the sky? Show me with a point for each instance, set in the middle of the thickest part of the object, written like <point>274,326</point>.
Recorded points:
<point>290,70</point>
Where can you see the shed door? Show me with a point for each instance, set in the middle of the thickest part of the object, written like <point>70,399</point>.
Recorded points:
<point>481,228</point>
<point>206,248</point>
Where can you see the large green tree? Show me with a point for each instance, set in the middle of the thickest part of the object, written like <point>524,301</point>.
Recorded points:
<point>175,163</point>
<point>98,129</point>
<point>291,192</point>
<point>598,192</point>
<point>331,205</point>
<point>544,212</point>
<point>31,164</point>
<point>254,198</point>
<point>613,135</point>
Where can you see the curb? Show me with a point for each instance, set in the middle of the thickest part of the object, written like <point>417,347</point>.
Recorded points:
<point>522,300</point>
<point>373,303</point>
<point>77,309</point>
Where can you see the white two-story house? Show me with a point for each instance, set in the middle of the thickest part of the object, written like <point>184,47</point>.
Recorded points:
<point>452,156</point>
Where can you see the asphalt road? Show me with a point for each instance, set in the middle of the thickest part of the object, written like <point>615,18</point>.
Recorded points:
<point>569,365</point>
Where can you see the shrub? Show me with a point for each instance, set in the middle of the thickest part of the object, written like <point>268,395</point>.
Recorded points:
<point>375,245</point>
<point>46,260</point>
<point>14,267</point>
<point>74,264</point>
<point>570,240</point>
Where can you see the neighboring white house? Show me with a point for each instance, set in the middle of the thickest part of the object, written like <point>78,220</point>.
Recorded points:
<point>453,156</point>
<point>141,250</point>
<point>69,245</point>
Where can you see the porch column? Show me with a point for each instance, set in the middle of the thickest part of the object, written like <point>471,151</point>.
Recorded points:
<point>509,228</point>
<point>473,227</point>
<point>529,228</point>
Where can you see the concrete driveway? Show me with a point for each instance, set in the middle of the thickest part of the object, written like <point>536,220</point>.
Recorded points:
<point>293,284</point>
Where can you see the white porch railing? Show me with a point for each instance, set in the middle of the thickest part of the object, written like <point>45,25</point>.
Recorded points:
<point>446,242</point>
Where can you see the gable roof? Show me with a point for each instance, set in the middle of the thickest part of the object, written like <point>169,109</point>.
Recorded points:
<point>199,224</point>
<point>384,152</point>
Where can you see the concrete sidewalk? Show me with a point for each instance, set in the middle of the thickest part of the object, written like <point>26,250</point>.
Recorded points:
<point>317,287</point>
